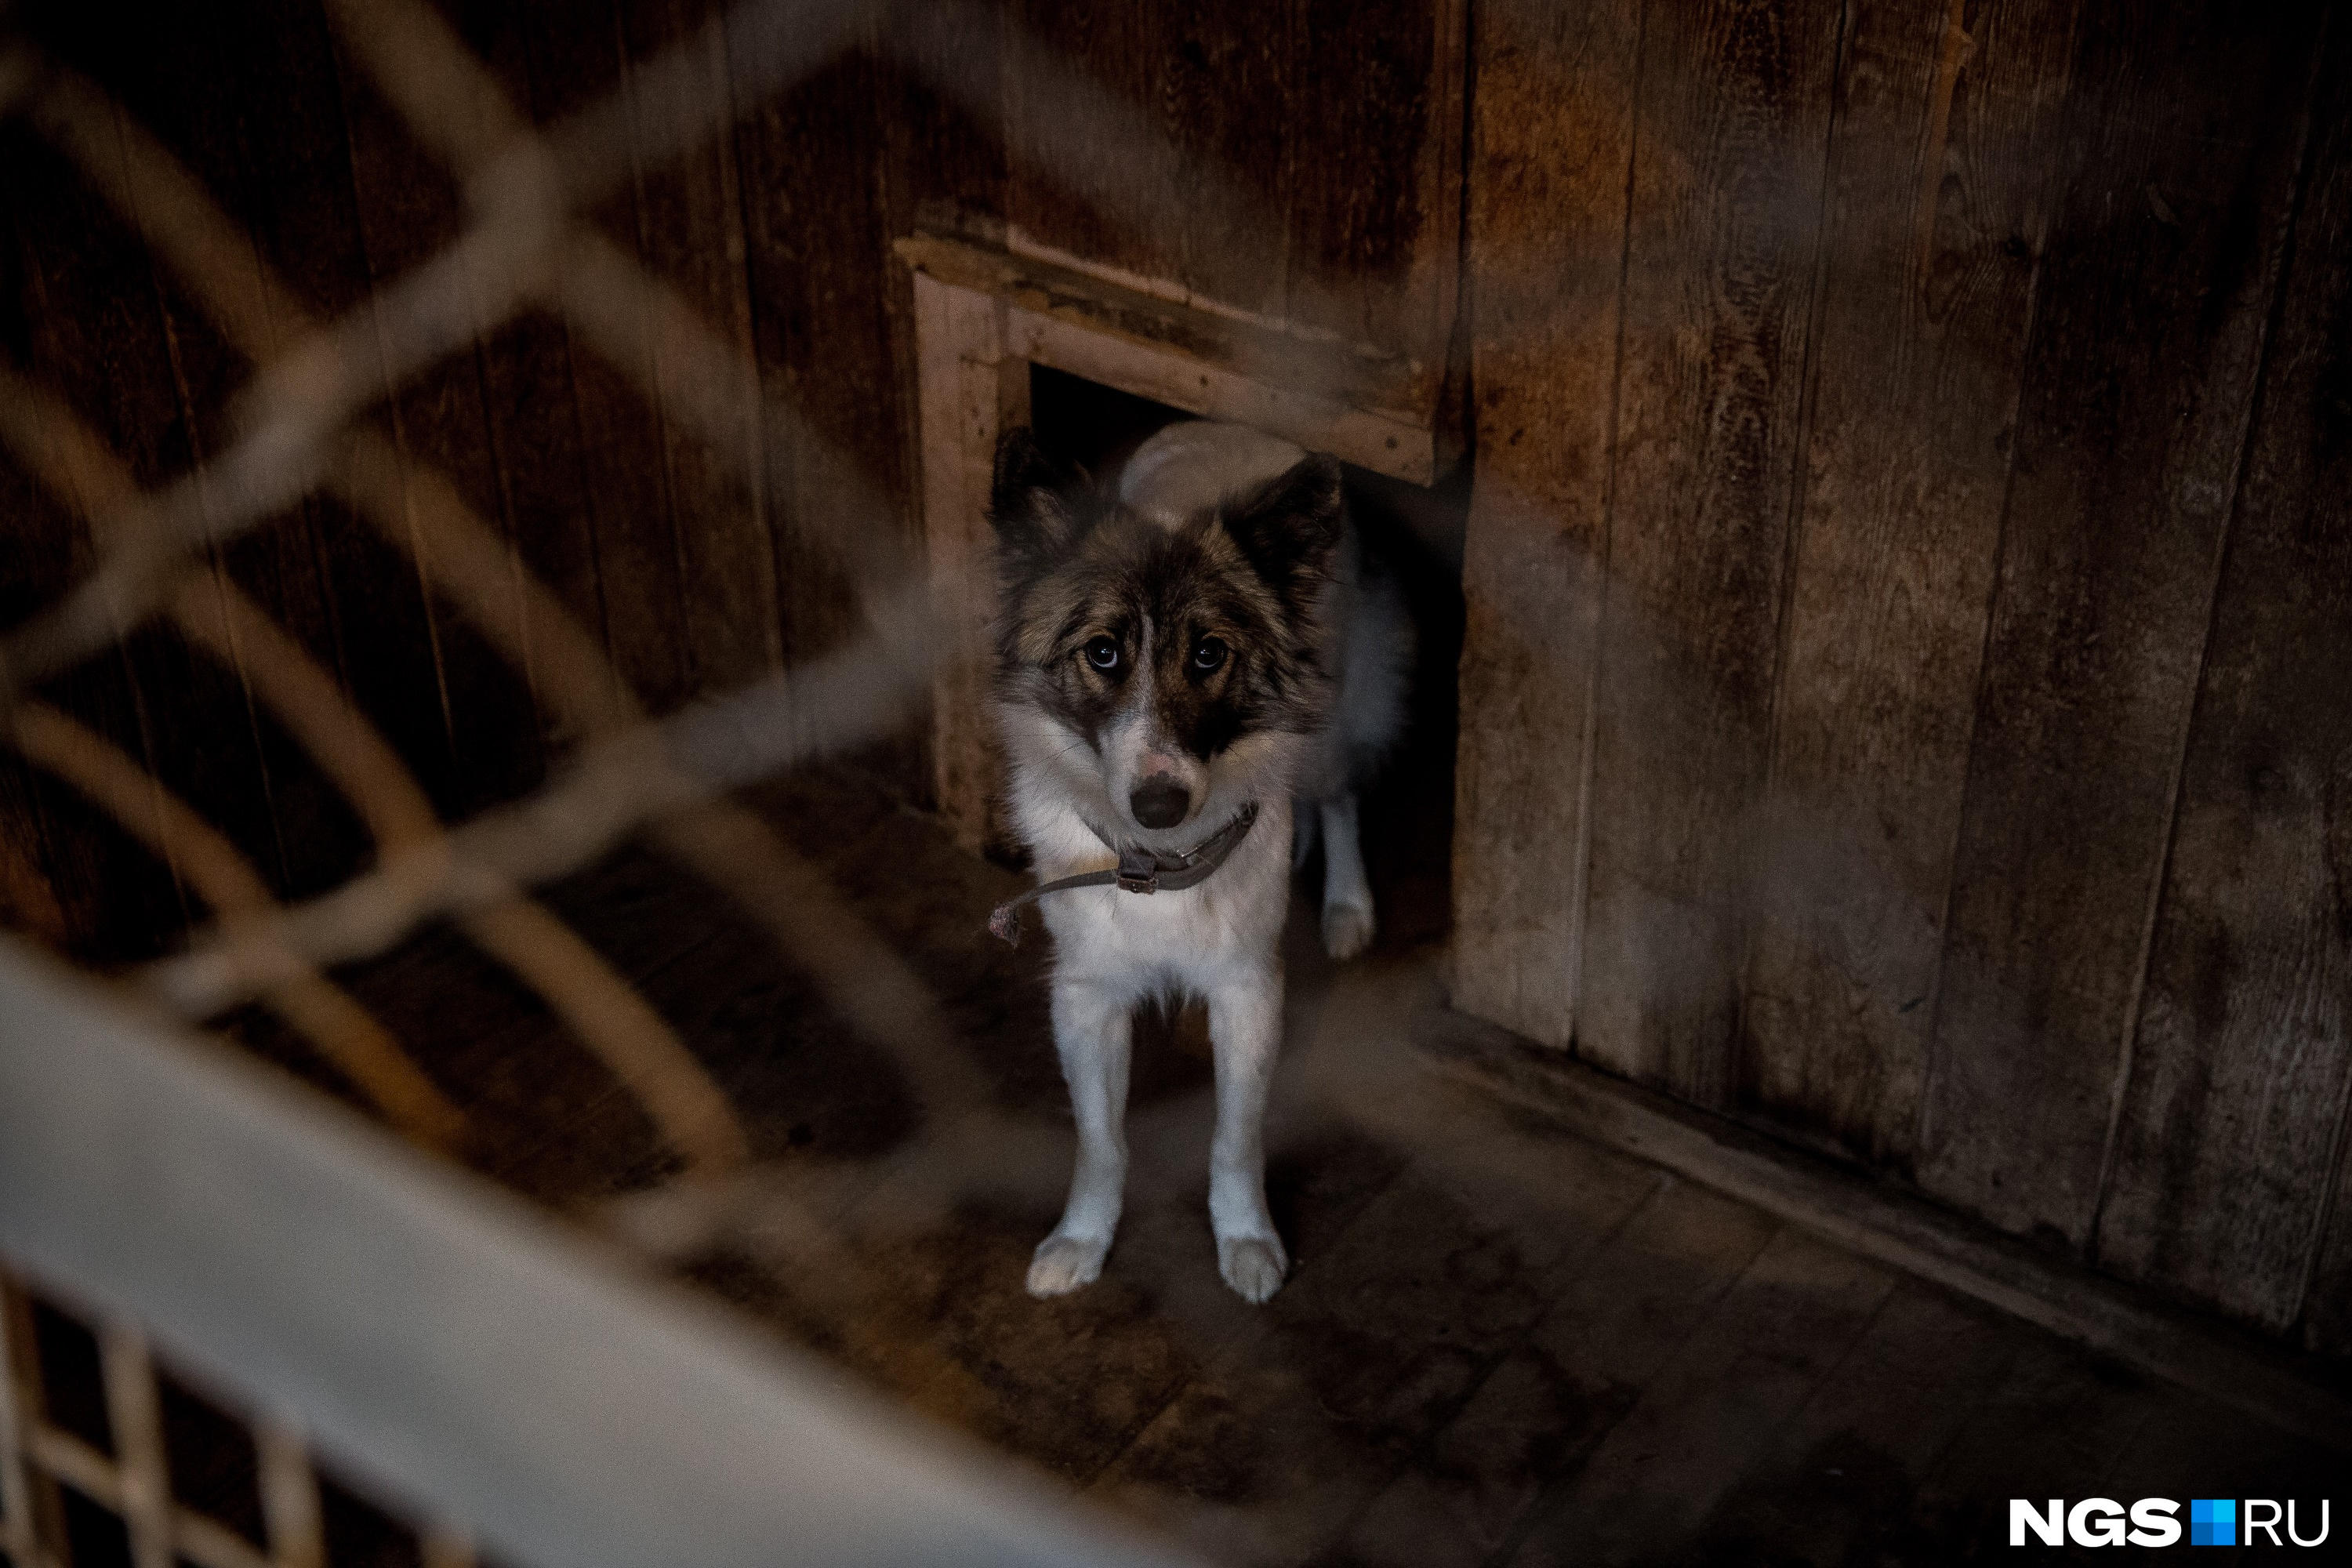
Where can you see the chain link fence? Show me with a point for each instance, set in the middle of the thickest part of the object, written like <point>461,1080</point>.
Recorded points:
<point>150,1180</point>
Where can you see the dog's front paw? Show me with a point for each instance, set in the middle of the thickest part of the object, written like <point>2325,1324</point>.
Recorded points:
<point>1347,930</point>
<point>1064,1263</point>
<point>1253,1265</point>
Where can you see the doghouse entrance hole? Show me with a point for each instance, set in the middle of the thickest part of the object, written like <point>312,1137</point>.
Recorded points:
<point>1416,530</point>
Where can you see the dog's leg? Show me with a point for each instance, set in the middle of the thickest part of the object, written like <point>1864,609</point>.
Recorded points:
<point>1347,896</point>
<point>1093,1028</point>
<point>1245,1031</point>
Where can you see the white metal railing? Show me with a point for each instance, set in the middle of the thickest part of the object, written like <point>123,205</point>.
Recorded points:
<point>428,1330</point>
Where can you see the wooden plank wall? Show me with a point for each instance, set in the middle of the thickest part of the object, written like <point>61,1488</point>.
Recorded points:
<point>1908,594</point>
<point>1015,123</point>
<point>1907,581</point>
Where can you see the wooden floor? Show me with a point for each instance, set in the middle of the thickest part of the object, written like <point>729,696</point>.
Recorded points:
<point>1500,1345</point>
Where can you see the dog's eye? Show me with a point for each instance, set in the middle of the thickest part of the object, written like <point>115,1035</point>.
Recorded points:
<point>1208,655</point>
<point>1102,653</point>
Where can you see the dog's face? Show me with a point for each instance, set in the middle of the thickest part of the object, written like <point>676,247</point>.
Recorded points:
<point>1175,669</point>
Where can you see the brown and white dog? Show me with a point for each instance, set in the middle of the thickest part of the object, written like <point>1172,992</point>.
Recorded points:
<point>1205,640</point>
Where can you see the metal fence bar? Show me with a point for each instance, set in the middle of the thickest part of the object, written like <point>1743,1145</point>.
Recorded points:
<point>134,1482</point>
<point>150,188</point>
<point>289,1495</point>
<point>344,1033</point>
<point>296,407</point>
<point>256,310</point>
<point>21,1507</point>
<point>439,1334</point>
<point>134,1413</point>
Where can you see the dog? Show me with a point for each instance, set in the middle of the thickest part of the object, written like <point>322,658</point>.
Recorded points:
<point>1196,667</point>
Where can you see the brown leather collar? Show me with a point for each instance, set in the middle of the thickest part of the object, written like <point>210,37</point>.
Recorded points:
<point>1139,871</point>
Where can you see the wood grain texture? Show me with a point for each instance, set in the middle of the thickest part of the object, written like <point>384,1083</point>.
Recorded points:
<point>246,108</point>
<point>1373,150</point>
<point>1732,121</point>
<point>1624,1314</point>
<point>1745,1374</point>
<point>209,742</point>
<point>48,887</point>
<point>2156,295</point>
<point>690,233</point>
<point>1939,199</point>
<point>574,59</point>
<point>409,209</point>
<point>811,161</point>
<point>1343,399</point>
<point>1867,1437</point>
<point>1301,164</point>
<point>1184,172</point>
<point>973,391</point>
<point>2231,1129</point>
<point>944,170</point>
<point>1061,192</point>
<point>1552,140</point>
<point>86,300</point>
<point>551,506</point>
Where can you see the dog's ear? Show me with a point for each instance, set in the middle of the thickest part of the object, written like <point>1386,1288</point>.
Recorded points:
<point>1029,503</point>
<point>1289,528</point>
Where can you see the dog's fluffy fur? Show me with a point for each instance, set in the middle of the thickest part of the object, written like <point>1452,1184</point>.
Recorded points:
<point>1207,636</point>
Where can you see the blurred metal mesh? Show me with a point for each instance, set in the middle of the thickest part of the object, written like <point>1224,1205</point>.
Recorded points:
<point>305,425</point>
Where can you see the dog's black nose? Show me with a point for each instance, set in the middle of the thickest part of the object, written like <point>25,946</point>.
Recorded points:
<point>1160,803</point>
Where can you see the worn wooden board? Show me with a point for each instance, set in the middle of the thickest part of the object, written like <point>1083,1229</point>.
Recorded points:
<point>2154,300</point>
<point>570,62</point>
<point>544,480</point>
<point>1154,140</point>
<point>1352,401</point>
<point>811,162</point>
<point>1622,1324</point>
<point>944,169</point>
<point>50,881</point>
<point>689,235</point>
<point>1369,1354</point>
<point>1548,1404</point>
<point>1940,189</point>
<point>86,298</point>
<point>1729,1392</point>
<point>1552,144</point>
<point>2053,1425</point>
<point>409,209</point>
<point>1302,165</point>
<point>536,417</point>
<point>1374,186</point>
<point>247,108</point>
<point>150,377</point>
<point>2231,1134</point>
<point>973,391</point>
<point>260,132</point>
<point>941,116</point>
<point>1724,209</point>
<point>1834,1484</point>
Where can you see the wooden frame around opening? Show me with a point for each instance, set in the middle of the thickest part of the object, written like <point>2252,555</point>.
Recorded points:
<point>983,316</point>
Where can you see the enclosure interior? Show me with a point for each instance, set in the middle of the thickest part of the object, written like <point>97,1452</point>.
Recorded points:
<point>1882,607</point>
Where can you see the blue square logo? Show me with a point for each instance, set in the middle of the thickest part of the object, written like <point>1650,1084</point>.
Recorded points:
<point>2212,1522</point>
